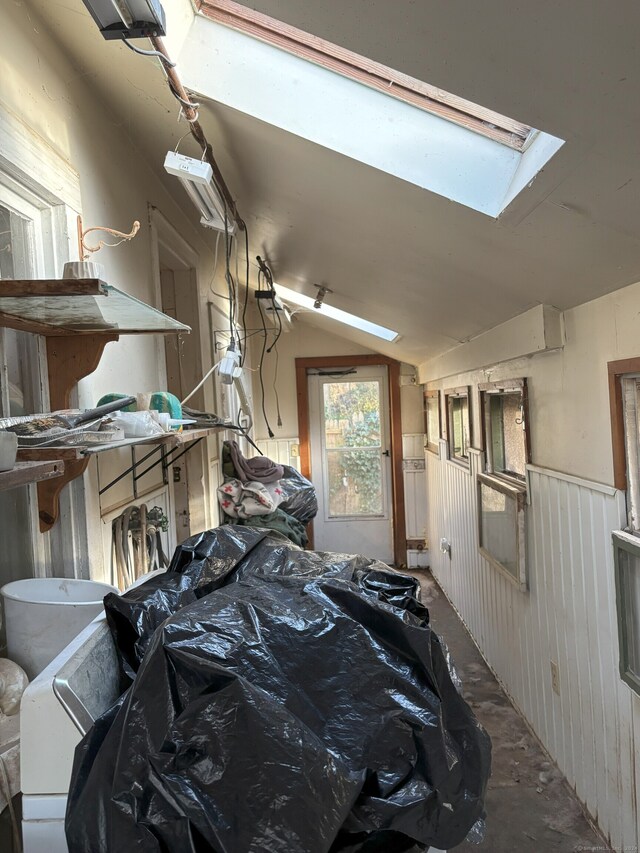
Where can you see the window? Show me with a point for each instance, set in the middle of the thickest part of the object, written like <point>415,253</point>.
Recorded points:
<point>624,393</point>
<point>504,416</point>
<point>19,392</point>
<point>458,424</point>
<point>501,527</point>
<point>349,64</point>
<point>627,565</point>
<point>406,127</point>
<point>337,314</point>
<point>432,419</point>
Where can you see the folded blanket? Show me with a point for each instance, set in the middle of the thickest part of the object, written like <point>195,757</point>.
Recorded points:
<point>244,500</point>
<point>280,521</point>
<point>259,469</point>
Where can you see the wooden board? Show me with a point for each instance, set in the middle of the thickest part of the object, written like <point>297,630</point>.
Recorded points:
<point>28,288</point>
<point>24,473</point>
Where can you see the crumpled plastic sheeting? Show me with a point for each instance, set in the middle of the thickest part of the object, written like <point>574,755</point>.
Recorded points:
<point>302,705</point>
<point>301,500</point>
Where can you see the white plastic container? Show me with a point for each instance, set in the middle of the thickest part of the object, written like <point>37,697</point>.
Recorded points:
<point>43,615</point>
<point>8,450</point>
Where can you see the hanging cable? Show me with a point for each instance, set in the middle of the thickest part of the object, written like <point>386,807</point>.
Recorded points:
<point>156,53</point>
<point>275,387</point>
<point>246,292</point>
<point>261,373</point>
<point>279,318</point>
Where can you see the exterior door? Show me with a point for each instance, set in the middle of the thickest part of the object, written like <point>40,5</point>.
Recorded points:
<point>350,461</point>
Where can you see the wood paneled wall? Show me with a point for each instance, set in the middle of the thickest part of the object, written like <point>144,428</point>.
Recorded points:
<point>568,616</point>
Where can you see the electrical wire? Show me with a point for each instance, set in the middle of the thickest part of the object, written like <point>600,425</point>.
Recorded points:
<point>155,53</point>
<point>229,280</point>
<point>279,318</point>
<point>246,293</point>
<point>261,373</point>
<point>275,386</point>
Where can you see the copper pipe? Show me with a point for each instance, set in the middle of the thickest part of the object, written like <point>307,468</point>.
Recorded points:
<point>191,115</point>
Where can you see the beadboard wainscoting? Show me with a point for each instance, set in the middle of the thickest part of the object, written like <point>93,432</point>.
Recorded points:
<point>415,487</point>
<point>284,451</point>
<point>567,617</point>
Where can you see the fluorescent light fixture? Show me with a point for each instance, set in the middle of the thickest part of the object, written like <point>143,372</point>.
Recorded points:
<point>196,177</point>
<point>336,314</point>
<point>128,18</point>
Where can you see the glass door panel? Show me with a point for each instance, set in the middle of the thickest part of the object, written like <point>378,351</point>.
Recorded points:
<point>353,448</point>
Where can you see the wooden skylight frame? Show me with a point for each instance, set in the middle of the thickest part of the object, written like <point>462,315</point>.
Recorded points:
<point>486,122</point>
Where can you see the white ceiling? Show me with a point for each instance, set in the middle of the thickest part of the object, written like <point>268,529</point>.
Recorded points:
<point>437,272</point>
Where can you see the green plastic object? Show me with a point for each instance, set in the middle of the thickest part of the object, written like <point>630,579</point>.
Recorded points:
<point>161,401</point>
<point>111,398</point>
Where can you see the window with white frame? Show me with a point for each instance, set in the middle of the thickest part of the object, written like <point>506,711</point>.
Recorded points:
<point>432,419</point>
<point>39,198</point>
<point>20,353</point>
<point>501,527</point>
<point>502,491</point>
<point>504,418</point>
<point>458,418</point>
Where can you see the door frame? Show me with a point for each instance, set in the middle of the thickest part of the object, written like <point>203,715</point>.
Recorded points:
<point>303,365</point>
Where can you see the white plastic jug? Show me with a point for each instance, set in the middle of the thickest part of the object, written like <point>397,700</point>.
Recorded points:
<point>43,615</point>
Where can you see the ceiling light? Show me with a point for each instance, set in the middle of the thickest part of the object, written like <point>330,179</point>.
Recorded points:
<point>336,314</point>
<point>196,177</point>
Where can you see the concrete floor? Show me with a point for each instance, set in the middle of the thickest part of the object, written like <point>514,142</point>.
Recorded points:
<point>530,807</point>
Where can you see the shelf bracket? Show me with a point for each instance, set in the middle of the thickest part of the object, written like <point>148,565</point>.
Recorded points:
<point>69,359</point>
<point>49,492</point>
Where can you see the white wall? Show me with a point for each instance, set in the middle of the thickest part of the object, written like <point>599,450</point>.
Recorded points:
<point>61,109</point>
<point>303,341</point>
<point>568,391</point>
<point>568,616</point>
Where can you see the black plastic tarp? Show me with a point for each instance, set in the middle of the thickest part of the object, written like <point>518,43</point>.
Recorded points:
<point>283,702</point>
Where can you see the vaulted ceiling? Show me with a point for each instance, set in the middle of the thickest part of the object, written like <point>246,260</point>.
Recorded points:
<point>396,254</point>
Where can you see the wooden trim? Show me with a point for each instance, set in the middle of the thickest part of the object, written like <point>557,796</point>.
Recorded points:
<point>509,386</point>
<point>53,287</point>
<point>486,122</point>
<point>395,419</point>
<point>397,474</point>
<point>617,369</point>
<point>304,436</point>
<point>344,361</point>
<point>460,391</point>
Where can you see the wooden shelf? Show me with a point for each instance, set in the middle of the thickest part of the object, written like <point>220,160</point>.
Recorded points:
<point>74,461</point>
<point>61,307</point>
<point>78,318</point>
<point>31,472</point>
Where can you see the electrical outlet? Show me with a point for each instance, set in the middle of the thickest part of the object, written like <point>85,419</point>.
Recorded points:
<point>445,547</point>
<point>555,677</point>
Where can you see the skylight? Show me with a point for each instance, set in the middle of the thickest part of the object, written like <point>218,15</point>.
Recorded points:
<point>373,74</point>
<point>336,314</point>
<point>361,109</point>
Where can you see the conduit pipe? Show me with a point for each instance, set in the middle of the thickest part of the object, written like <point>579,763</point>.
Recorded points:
<point>191,115</point>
